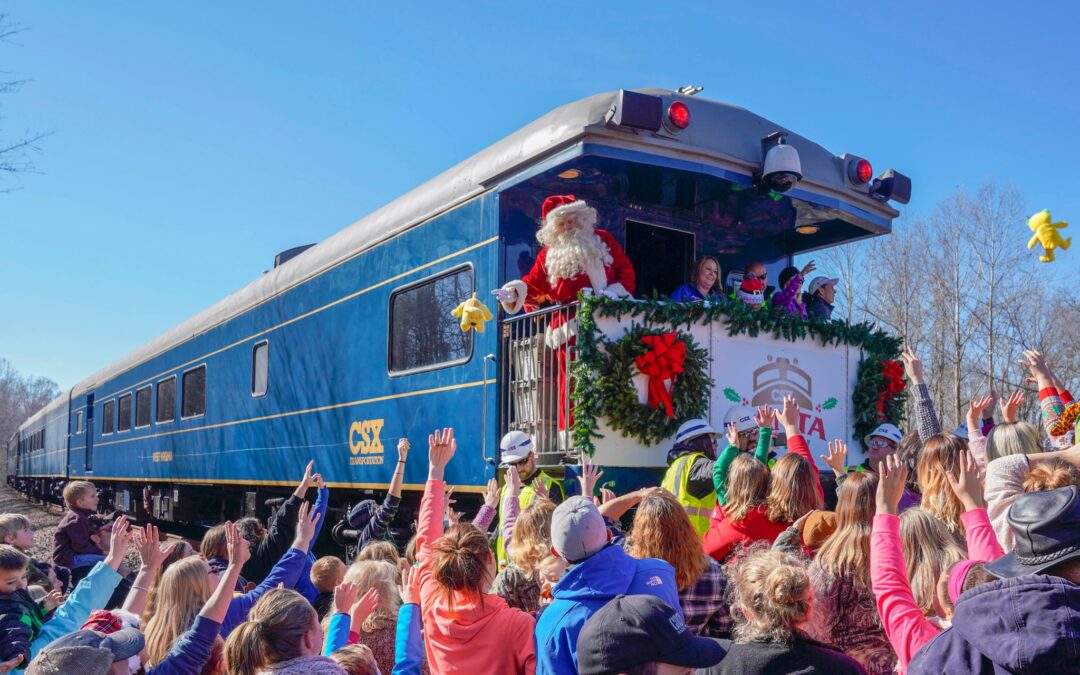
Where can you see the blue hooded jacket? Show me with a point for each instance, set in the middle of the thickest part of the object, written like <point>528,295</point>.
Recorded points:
<point>587,587</point>
<point>1028,624</point>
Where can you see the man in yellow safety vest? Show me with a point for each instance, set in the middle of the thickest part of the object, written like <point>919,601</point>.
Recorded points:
<point>517,455</point>
<point>690,471</point>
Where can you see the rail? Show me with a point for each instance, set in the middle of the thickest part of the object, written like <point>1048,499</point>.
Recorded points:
<point>534,397</point>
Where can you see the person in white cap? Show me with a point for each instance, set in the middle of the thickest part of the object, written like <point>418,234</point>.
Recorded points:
<point>821,295</point>
<point>518,456</point>
<point>690,471</point>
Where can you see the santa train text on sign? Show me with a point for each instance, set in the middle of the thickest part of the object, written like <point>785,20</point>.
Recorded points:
<point>375,333</point>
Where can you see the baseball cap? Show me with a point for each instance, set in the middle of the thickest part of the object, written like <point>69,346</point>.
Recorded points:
<point>578,530</point>
<point>515,446</point>
<point>886,430</point>
<point>818,282</point>
<point>742,416</point>
<point>1046,526</point>
<point>691,429</point>
<point>632,630</point>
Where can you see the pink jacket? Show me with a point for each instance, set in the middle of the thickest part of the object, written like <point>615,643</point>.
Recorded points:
<point>905,625</point>
<point>482,634</point>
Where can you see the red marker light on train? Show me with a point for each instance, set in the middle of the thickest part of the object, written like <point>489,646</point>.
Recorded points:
<point>679,115</point>
<point>859,171</point>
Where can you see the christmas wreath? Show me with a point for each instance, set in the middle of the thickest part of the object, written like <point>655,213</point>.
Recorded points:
<point>677,372</point>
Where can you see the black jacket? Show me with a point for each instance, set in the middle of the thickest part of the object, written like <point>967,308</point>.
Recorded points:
<point>20,622</point>
<point>280,531</point>
<point>802,657</point>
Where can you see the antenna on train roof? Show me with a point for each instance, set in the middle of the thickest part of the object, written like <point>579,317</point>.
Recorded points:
<point>690,90</point>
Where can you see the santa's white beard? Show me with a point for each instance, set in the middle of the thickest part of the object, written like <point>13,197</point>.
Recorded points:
<point>571,252</point>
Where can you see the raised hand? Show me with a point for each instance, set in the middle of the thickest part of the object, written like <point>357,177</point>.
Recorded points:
<point>732,434</point>
<point>913,366</point>
<point>441,449</point>
<point>976,409</point>
<point>236,546</point>
<point>319,483</point>
<point>513,481</point>
<point>148,544</point>
<point>789,417</point>
<point>810,267</point>
<point>307,518</point>
<point>965,482</point>
<point>364,607</point>
<point>541,489</point>
<point>606,495</point>
<point>491,494</point>
<point>891,476</point>
<point>837,457</point>
<point>53,599</point>
<point>118,542</point>
<point>410,594</point>
<point>305,482</point>
<point>590,475</point>
<point>1040,372</point>
<point>763,417</point>
<point>403,447</point>
<point>1011,406</point>
<point>345,596</point>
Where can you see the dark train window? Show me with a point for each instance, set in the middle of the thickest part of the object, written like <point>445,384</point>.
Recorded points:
<point>194,393</point>
<point>260,367</point>
<point>423,335</point>
<point>142,407</point>
<point>166,400</point>
<point>124,408</point>
<point>108,417</point>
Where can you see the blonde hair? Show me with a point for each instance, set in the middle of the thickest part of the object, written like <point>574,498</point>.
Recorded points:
<point>382,575</point>
<point>327,572</point>
<point>380,550</point>
<point>1012,438</point>
<point>76,490</point>
<point>663,530</point>
<point>1050,474</point>
<point>941,457</point>
<point>183,590</point>
<point>793,489</point>
<point>531,540</point>
<point>11,523</point>
<point>356,659</point>
<point>847,550</point>
<point>273,632</point>
<point>213,544</point>
<point>929,549</point>
<point>771,595</point>
<point>747,486</point>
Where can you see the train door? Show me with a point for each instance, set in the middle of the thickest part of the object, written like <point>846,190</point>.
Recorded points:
<point>662,257</point>
<point>89,431</point>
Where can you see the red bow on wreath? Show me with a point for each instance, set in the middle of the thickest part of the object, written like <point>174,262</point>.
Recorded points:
<point>663,361</point>
<point>893,375</point>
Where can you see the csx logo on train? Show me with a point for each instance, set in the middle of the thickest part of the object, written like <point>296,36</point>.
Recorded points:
<point>364,437</point>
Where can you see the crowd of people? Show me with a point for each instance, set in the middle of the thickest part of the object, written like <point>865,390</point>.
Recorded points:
<point>943,552</point>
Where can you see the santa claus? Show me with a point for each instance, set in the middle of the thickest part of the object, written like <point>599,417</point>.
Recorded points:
<point>576,257</point>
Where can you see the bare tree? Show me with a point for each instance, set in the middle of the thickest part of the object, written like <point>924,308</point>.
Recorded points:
<point>20,397</point>
<point>16,150</point>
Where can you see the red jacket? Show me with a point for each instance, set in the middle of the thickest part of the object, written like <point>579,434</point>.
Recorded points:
<point>541,290</point>
<point>725,534</point>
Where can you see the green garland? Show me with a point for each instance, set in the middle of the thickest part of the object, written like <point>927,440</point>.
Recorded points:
<point>739,319</point>
<point>619,399</point>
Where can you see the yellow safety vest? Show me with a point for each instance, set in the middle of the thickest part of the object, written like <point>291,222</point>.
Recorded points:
<point>675,481</point>
<point>525,497</point>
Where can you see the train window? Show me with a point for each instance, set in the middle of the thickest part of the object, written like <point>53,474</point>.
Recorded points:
<point>142,407</point>
<point>108,417</point>
<point>423,335</point>
<point>194,402</point>
<point>124,408</point>
<point>78,422</point>
<point>260,367</point>
<point>166,400</point>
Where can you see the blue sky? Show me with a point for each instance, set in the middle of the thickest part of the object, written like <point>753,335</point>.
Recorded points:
<point>193,141</point>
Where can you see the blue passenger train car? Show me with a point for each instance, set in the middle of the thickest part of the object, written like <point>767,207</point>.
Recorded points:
<point>338,352</point>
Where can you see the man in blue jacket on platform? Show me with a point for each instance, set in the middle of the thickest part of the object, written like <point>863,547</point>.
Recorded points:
<point>598,572</point>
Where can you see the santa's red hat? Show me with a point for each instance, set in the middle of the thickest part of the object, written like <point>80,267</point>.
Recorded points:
<point>557,206</point>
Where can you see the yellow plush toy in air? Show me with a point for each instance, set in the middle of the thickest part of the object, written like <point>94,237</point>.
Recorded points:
<point>1046,233</point>
<point>472,313</point>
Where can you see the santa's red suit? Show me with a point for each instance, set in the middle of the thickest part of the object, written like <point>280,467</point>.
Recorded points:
<point>575,257</point>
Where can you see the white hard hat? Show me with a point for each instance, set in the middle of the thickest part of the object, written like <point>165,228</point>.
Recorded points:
<point>691,429</point>
<point>515,446</point>
<point>885,430</point>
<point>742,416</point>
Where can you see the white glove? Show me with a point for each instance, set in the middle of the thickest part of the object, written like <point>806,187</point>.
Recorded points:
<point>610,294</point>
<point>505,294</point>
<point>587,292</point>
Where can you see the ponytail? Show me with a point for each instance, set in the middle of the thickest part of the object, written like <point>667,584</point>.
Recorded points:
<point>274,632</point>
<point>460,562</point>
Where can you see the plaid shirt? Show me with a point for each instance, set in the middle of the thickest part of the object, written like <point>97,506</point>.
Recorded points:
<point>704,603</point>
<point>924,411</point>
